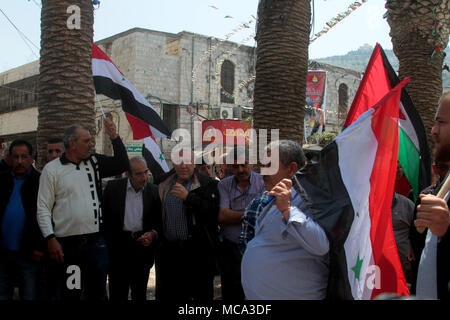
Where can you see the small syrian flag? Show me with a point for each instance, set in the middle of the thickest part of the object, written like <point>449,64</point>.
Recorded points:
<point>143,119</point>
<point>414,153</point>
<point>154,157</point>
<point>349,193</point>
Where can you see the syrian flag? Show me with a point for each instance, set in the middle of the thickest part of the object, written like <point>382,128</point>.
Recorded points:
<point>349,193</point>
<point>143,119</point>
<point>154,157</point>
<point>414,153</point>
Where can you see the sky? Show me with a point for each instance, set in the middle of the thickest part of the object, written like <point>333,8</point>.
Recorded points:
<point>216,18</point>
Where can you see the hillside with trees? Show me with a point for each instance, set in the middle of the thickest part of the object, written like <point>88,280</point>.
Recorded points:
<point>357,60</point>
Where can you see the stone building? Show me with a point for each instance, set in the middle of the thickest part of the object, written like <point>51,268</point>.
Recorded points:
<point>185,76</point>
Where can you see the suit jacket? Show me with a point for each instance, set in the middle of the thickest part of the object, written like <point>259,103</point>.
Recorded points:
<point>114,212</point>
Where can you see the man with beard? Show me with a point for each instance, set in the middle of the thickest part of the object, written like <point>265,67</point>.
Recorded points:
<point>434,268</point>
<point>236,192</point>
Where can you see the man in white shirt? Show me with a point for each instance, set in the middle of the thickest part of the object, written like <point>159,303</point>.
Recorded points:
<point>69,212</point>
<point>132,224</point>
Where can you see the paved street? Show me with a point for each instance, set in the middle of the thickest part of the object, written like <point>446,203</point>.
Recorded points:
<point>151,286</point>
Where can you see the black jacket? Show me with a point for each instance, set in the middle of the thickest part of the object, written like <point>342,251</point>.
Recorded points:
<point>201,209</point>
<point>3,166</point>
<point>32,236</point>
<point>114,211</point>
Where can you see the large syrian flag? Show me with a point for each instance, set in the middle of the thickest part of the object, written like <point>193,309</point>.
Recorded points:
<point>349,192</point>
<point>414,153</point>
<point>143,119</point>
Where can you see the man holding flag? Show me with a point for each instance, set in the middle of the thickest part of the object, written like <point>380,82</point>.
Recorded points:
<point>350,198</point>
<point>144,120</point>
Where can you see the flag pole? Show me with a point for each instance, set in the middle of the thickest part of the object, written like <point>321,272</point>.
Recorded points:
<point>101,107</point>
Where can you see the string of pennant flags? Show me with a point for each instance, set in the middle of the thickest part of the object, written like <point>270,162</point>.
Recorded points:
<point>334,21</point>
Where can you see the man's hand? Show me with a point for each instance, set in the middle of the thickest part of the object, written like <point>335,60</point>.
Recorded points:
<point>55,250</point>
<point>37,255</point>
<point>179,191</point>
<point>433,213</point>
<point>147,238</point>
<point>110,128</point>
<point>282,191</point>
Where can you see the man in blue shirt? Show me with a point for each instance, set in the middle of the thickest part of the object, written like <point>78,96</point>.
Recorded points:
<point>21,242</point>
<point>288,256</point>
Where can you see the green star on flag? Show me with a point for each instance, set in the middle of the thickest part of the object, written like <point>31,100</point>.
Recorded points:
<point>357,268</point>
<point>161,157</point>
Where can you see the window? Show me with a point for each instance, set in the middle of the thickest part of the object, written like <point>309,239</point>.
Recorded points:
<point>227,82</point>
<point>343,103</point>
<point>170,117</point>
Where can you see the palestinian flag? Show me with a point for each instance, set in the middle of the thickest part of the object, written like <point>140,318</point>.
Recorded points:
<point>414,153</point>
<point>143,119</point>
<point>349,193</point>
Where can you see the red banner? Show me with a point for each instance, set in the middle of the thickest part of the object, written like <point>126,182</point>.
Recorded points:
<point>315,88</point>
<point>234,130</point>
<point>315,96</point>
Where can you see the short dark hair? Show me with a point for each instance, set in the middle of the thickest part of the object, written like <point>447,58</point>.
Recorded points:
<point>18,143</point>
<point>289,151</point>
<point>55,140</point>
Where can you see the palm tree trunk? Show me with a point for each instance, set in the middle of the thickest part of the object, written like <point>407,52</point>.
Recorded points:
<point>66,89</point>
<point>282,66</point>
<point>418,28</point>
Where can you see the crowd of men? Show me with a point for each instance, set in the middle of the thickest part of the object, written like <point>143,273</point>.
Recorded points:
<point>65,237</point>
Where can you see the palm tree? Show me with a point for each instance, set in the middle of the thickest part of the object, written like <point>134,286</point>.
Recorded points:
<point>419,30</point>
<point>282,66</point>
<point>66,89</point>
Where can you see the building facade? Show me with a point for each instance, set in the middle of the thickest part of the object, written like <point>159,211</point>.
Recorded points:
<point>187,77</point>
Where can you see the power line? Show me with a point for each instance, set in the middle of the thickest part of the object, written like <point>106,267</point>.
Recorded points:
<point>22,35</point>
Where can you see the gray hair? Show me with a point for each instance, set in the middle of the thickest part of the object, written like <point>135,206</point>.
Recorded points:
<point>289,151</point>
<point>136,159</point>
<point>71,133</point>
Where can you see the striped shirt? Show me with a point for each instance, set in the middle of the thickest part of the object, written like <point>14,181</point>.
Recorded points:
<point>176,221</point>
